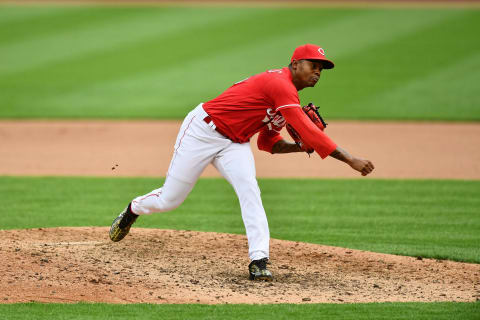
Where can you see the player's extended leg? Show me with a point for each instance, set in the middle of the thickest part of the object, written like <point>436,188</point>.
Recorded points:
<point>168,197</point>
<point>236,164</point>
<point>195,148</point>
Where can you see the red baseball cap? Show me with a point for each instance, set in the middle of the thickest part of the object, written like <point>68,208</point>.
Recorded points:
<point>312,52</point>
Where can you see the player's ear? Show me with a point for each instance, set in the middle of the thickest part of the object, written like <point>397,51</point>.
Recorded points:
<point>294,64</point>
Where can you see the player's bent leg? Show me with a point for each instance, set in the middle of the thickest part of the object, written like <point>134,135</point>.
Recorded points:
<point>195,148</point>
<point>167,198</point>
<point>164,199</point>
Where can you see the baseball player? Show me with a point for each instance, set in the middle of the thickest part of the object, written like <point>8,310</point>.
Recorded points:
<point>218,132</point>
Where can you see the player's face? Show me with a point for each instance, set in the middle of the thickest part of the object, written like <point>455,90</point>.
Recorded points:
<point>308,72</point>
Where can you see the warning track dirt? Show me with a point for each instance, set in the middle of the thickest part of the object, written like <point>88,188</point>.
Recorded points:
<point>144,148</point>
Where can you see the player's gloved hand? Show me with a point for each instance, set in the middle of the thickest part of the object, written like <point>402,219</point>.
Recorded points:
<point>296,138</point>
<point>312,112</point>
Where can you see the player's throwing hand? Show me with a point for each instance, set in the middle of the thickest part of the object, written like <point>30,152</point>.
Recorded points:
<point>362,165</point>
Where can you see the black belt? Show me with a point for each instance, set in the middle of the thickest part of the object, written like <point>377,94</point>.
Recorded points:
<point>208,120</point>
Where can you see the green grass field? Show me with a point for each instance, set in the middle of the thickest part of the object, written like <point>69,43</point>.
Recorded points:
<point>437,219</point>
<point>388,311</point>
<point>160,62</point>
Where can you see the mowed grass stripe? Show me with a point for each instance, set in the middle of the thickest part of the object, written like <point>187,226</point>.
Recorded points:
<point>437,219</point>
<point>144,56</point>
<point>437,311</point>
<point>275,34</point>
<point>174,103</point>
<point>454,85</point>
<point>400,61</point>
<point>48,20</point>
<point>11,16</point>
<point>236,54</point>
<point>112,32</point>
<point>166,64</point>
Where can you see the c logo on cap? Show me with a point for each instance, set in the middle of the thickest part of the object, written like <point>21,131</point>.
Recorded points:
<point>322,52</point>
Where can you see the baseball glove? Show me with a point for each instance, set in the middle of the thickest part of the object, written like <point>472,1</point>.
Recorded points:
<point>312,112</point>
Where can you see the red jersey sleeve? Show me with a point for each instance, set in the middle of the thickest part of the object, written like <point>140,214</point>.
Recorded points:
<point>267,138</point>
<point>281,94</point>
<point>309,132</point>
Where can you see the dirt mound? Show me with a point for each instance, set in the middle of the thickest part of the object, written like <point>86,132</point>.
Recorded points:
<point>168,266</point>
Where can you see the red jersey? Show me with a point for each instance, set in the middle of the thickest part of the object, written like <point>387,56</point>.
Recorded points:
<point>263,103</point>
<point>251,104</point>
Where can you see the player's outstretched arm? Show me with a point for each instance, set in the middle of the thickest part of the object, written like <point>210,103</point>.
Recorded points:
<point>361,165</point>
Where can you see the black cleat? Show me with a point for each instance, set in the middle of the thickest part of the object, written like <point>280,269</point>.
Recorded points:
<point>258,270</point>
<point>121,225</point>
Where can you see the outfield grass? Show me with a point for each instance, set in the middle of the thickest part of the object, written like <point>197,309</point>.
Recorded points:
<point>160,62</point>
<point>438,311</point>
<point>437,219</point>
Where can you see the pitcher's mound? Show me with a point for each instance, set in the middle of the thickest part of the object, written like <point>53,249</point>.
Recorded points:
<point>168,266</point>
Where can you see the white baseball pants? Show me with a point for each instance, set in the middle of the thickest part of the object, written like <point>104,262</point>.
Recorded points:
<point>199,144</point>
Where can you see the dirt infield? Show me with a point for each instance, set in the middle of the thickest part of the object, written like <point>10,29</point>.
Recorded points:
<point>144,148</point>
<point>168,266</point>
